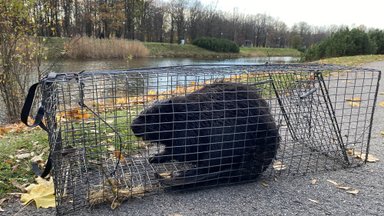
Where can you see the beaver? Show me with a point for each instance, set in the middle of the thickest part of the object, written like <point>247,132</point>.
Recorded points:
<point>225,130</point>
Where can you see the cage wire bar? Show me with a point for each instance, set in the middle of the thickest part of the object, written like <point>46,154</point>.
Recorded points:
<point>217,124</point>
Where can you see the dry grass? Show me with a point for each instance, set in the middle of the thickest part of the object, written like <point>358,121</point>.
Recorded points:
<point>352,60</point>
<point>93,48</point>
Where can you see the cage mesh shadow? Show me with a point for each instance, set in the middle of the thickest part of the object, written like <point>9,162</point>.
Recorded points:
<point>108,130</point>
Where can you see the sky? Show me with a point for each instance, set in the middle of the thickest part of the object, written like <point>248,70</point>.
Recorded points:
<point>317,13</point>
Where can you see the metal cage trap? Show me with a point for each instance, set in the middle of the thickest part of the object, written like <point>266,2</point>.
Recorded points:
<point>120,134</point>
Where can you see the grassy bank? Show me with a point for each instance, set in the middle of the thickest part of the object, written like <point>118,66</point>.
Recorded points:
<point>265,52</point>
<point>115,48</point>
<point>352,60</point>
<point>189,50</point>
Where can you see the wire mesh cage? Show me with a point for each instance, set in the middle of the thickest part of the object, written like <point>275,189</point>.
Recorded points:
<point>121,134</point>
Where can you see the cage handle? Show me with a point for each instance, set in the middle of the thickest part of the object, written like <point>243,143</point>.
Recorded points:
<point>38,122</point>
<point>27,108</point>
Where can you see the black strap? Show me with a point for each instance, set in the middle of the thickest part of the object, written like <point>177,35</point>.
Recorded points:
<point>38,122</point>
<point>27,108</point>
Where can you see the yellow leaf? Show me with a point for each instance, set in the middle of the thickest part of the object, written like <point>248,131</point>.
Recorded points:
<point>313,181</point>
<point>355,99</point>
<point>42,193</point>
<point>381,104</point>
<point>354,103</point>
<point>152,92</point>
<point>382,133</point>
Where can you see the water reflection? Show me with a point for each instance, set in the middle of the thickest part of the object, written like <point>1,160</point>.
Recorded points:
<point>90,65</point>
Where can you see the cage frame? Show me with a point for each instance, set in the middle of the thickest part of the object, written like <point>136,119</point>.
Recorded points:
<point>318,70</point>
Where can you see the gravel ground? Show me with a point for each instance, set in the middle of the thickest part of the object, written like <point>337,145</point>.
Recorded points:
<point>287,196</point>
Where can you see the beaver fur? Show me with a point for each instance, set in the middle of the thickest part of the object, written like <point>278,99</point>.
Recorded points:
<point>225,130</point>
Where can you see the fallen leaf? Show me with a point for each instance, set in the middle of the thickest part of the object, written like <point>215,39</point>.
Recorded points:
<point>166,175</point>
<point>362,156</point>
<point>118,155</point>
<point>264,184</point>
<point>382,133</point>
<point>313,181</point>
<point>111,148</point>
<point>343,187</point>
<point>4,130</point>
<point>381,104</point>
<point>333,182</point>
<point>1,202</point>
<point>42,193</point>
<point>346,188</point>
<point>24,156</point>
<point>38,158</point>
<point>355,99</point>
<point>312,200</point>
<point>152,92</point>
<point>9,161</point>
<point>353,191</point>
<point>372,159</point>
<point>15,167</point>
<point>279,166</point>
<point>111,134</point>
<point>354,104</point>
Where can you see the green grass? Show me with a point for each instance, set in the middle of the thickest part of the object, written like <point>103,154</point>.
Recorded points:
<point>265,52</point>
<point>352,60</point>
<point>19,170</point>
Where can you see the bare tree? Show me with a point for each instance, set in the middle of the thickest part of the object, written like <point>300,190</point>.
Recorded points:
<point>18,55</point>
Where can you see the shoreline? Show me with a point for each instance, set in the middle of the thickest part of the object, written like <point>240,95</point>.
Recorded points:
<point>55,48</point>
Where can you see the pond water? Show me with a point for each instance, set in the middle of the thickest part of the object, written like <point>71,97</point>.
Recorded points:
<point>92,65</point>
<point>89,65</point>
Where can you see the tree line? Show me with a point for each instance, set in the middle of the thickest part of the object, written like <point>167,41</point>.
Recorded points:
<point>168,21</point>
<point>347,42</point>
